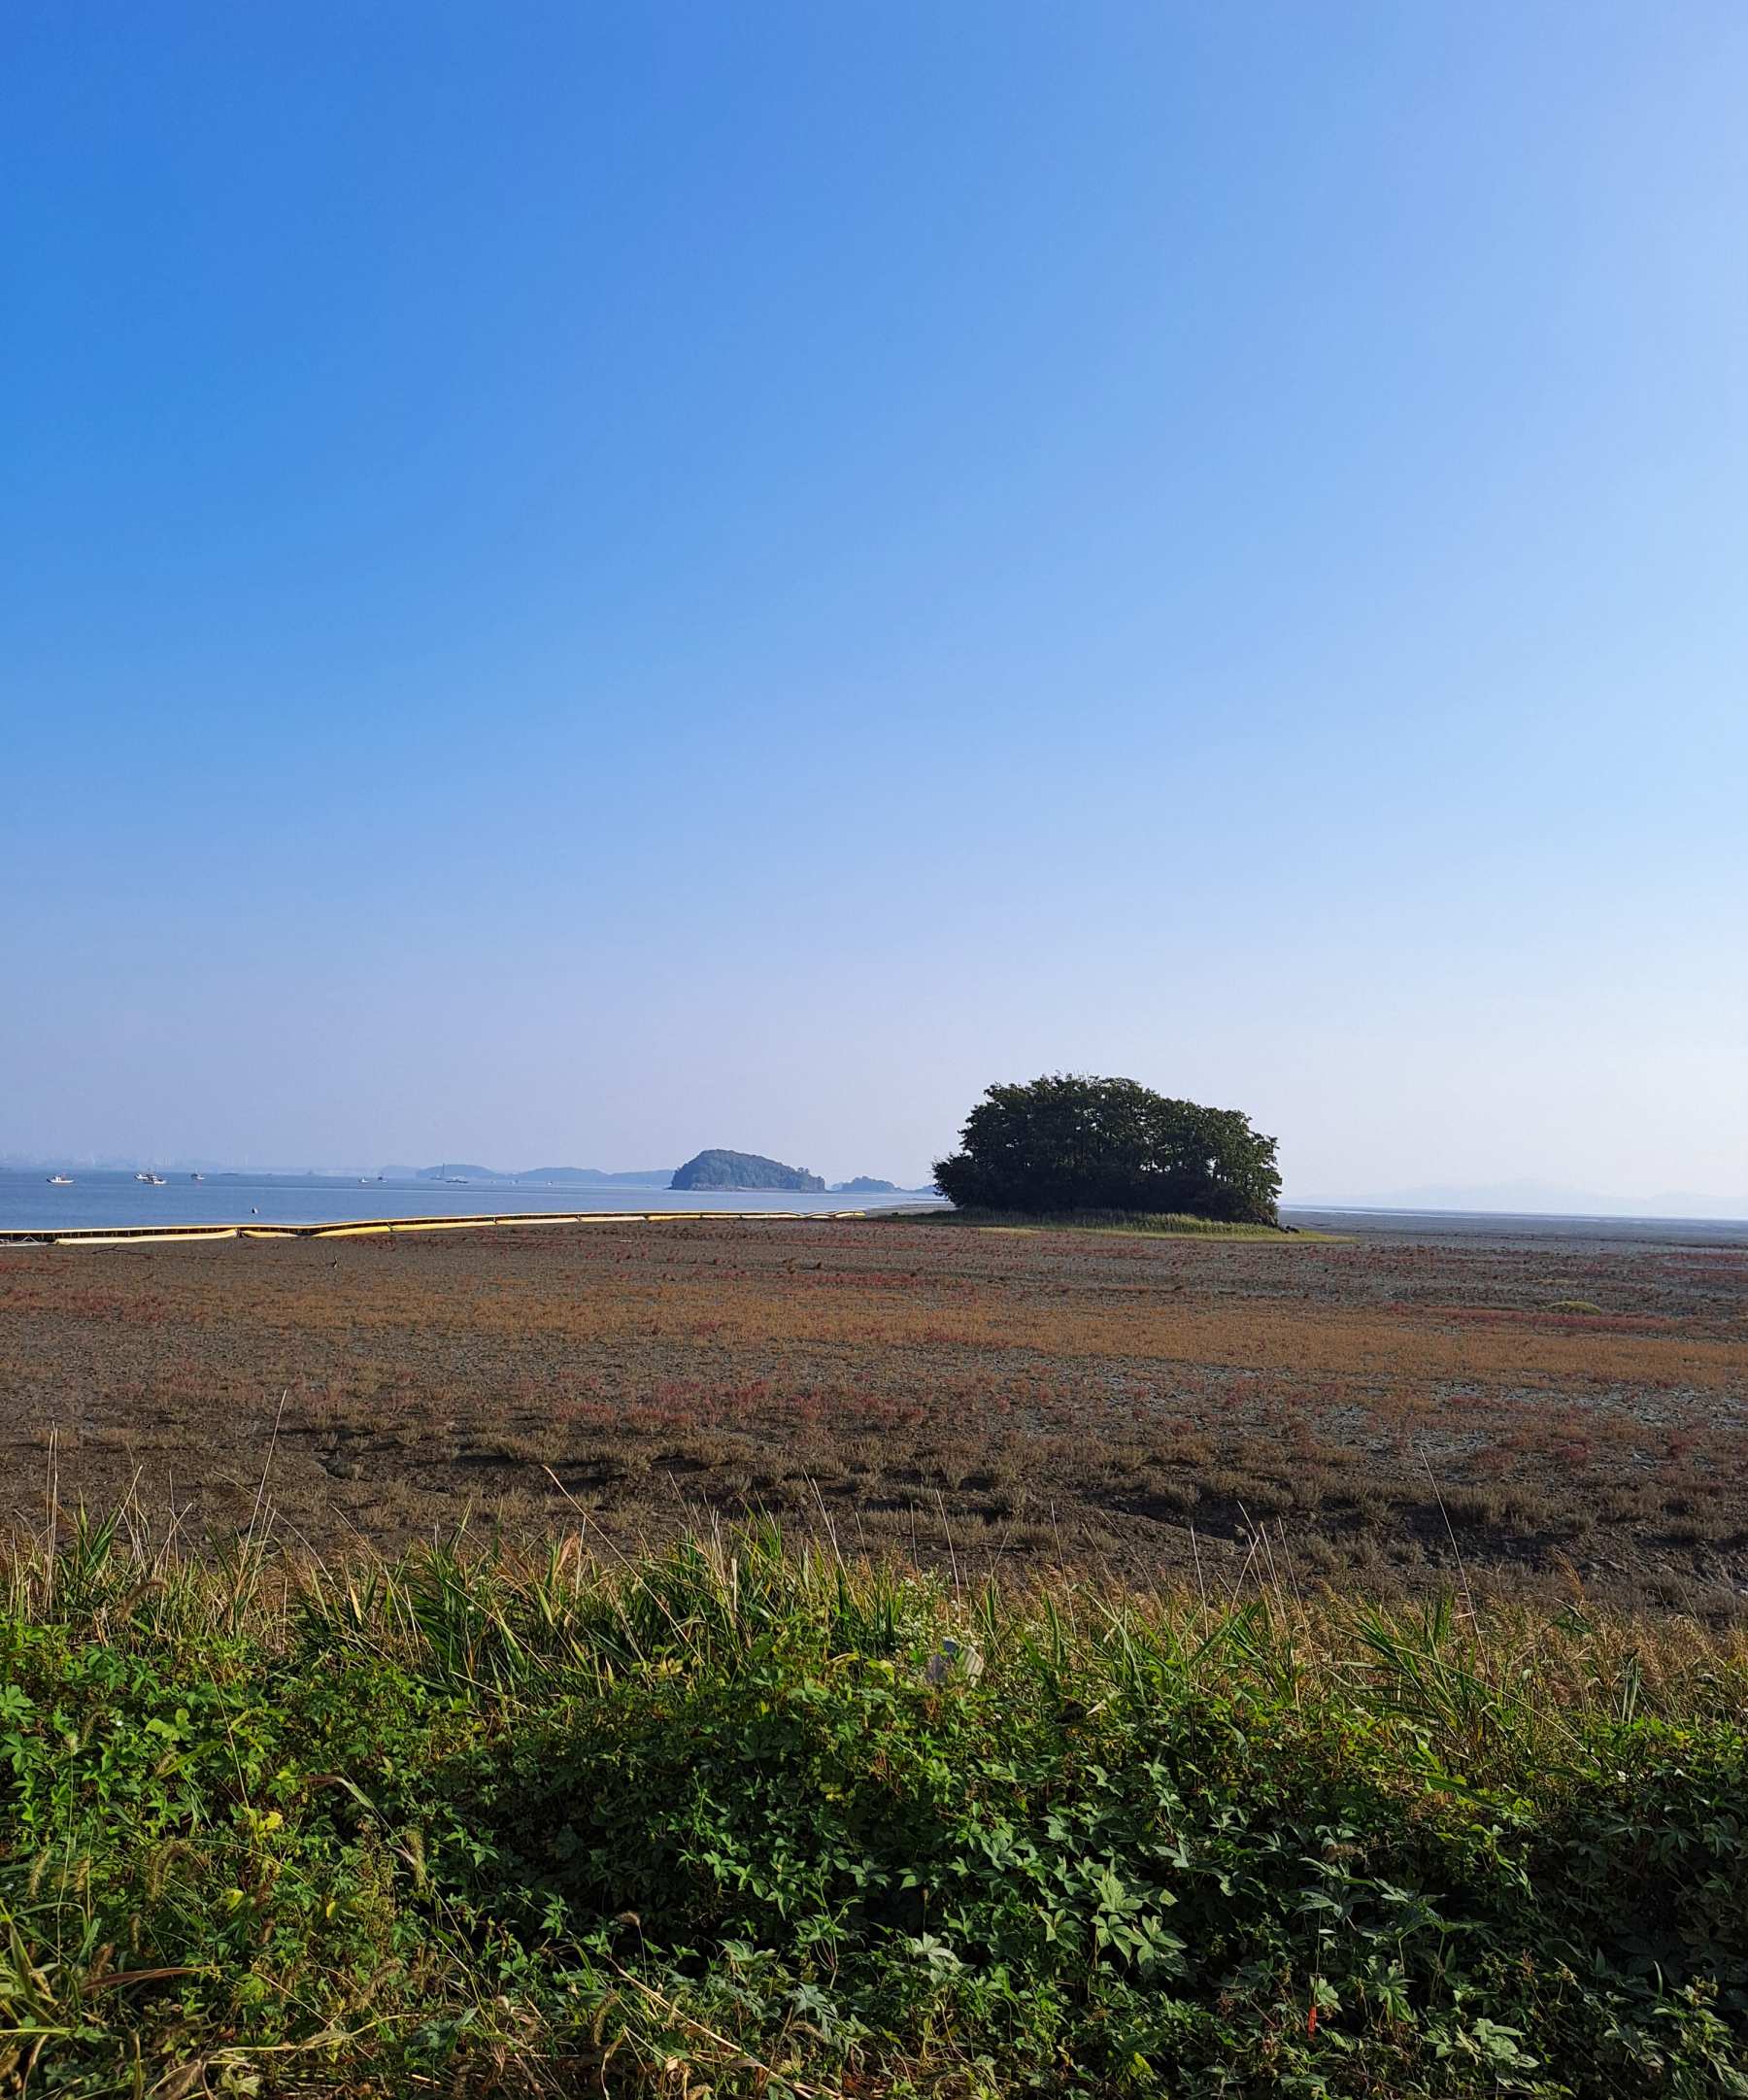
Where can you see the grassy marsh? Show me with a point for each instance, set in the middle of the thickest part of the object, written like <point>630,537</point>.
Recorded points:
<point>1568,1423</point>
<point>1158,1225</point>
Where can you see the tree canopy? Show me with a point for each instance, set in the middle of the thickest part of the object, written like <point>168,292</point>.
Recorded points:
<point>1070,1141</point>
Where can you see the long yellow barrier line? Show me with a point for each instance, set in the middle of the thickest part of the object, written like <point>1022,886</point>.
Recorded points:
<point>167,1235</point>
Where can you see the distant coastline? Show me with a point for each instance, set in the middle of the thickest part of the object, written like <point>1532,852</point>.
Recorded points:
<point>1508,1225</point>
<point>594,1177</point>
<point>1532,1200</point>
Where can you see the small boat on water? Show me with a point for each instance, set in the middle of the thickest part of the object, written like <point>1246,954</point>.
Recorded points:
<point>155,1181</point>
<point>197,1177</point>
<point>60,1181</point>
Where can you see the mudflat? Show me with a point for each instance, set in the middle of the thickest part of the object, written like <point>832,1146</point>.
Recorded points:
<point>1385,1412</point>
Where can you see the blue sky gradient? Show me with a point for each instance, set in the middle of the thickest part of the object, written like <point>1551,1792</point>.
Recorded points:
<point>580,583</point>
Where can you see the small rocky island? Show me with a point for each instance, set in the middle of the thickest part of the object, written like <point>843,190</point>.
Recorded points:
<point>719,1170</point>
<point>865,1185</point>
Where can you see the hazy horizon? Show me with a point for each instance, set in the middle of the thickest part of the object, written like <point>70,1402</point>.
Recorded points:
<point>1502,1199</point>
<point>587,585</point>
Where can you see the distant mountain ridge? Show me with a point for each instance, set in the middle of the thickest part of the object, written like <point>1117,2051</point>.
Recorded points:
<point>597,1177</point>
<point>631,1177</point>
<point>717,1169</point>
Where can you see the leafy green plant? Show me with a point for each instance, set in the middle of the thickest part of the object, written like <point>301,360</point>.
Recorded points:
<point>750,1819</point>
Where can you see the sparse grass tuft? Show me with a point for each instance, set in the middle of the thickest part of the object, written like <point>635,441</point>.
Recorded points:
<point>1159,1224</point>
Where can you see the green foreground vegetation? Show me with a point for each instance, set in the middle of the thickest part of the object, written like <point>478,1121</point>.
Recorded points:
<point>742,1820</point>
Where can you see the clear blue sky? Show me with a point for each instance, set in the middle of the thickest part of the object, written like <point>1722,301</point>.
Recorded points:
<point>582,582</point>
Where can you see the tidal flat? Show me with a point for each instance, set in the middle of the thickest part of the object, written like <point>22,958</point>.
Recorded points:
<point>1536,1419</point>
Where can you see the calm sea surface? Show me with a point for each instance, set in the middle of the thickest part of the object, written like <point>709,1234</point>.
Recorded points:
<point>1515,1224</point>
<point>28,1203</point>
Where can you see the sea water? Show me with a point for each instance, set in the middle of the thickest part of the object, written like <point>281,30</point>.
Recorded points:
<point>29,1203</point>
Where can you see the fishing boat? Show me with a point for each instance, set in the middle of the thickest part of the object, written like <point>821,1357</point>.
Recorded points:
<point>197,1177</point>
<point>156,1181</point>
<point>60,1181</point>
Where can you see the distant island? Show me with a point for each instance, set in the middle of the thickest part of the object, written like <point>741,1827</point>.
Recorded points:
<point>718,1170</point>
<point>865,1185</point>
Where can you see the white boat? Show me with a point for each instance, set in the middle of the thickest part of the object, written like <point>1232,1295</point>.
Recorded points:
<point>197,1177</point>
<point>60,1181</point>
<point>155,1181</point>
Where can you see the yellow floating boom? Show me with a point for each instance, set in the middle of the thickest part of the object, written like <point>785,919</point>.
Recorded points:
<point>167,1235</point>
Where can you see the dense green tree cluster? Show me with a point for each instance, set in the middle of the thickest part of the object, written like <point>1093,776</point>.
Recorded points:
<point>1069,1141</point>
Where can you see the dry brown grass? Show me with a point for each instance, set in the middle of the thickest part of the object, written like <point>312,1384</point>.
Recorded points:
<point>1556,1416</point>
